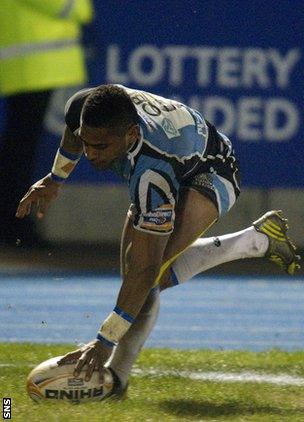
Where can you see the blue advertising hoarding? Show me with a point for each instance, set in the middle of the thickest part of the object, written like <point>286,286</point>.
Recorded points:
<point>239,62</point>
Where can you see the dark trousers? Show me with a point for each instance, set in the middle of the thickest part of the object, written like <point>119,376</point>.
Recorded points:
<point>18,146</point>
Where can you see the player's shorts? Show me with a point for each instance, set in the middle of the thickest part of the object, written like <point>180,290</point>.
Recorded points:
<point>218,178</point>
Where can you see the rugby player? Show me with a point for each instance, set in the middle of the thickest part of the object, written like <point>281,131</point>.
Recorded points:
<point>183,176</point>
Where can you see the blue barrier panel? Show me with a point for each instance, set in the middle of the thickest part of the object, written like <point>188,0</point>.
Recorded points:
<point>239,62</point>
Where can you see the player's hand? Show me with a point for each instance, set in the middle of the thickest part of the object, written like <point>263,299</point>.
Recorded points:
<point>94,354</point>
<point>41,194</point>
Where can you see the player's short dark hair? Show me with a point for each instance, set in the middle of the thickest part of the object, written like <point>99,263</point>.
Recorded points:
<point>109,106</point>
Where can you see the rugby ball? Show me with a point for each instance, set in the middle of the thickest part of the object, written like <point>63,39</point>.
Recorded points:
<point>49,381</point>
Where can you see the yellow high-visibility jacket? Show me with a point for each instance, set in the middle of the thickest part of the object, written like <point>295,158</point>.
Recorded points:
<point>39,44</point>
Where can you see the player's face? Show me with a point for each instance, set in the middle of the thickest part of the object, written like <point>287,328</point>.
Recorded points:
<point>102,146</point>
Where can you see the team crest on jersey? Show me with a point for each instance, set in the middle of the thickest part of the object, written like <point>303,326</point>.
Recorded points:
<point>169,128</point>
<point>159,220</point>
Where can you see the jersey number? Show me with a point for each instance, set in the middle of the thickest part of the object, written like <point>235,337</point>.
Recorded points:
<point>153,109</point>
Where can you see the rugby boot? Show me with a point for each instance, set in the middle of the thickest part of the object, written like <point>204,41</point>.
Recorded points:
<point>281,250</point>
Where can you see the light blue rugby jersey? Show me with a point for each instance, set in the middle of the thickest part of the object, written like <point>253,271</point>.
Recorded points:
<point>172,144</point>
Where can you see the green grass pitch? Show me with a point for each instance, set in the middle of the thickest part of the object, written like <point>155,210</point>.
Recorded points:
<point>166,397</point>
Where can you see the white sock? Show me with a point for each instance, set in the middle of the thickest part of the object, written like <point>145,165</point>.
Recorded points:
<point>208,252</point>
<point>127,350</point>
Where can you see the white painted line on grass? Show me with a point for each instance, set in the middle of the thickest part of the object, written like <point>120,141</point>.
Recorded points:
<point>243,377</point>
<point>279,379</point>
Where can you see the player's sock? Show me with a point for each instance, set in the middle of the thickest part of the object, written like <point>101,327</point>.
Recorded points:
<point>130,345</point>
<point>209,252</point>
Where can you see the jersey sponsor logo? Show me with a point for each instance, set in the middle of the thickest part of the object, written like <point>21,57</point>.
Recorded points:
<point>160,219</point>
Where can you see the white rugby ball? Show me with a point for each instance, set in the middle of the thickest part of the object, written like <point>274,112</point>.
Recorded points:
<point>53,382</point>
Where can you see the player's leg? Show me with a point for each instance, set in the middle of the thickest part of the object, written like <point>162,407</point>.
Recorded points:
<point>195,214</point>
<point>130,345</point>
<point>265,237</point>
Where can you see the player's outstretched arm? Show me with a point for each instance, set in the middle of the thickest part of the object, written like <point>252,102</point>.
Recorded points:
<point>43,192</point>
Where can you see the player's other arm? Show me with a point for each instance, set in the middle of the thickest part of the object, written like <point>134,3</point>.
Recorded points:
<point>45,190</point>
